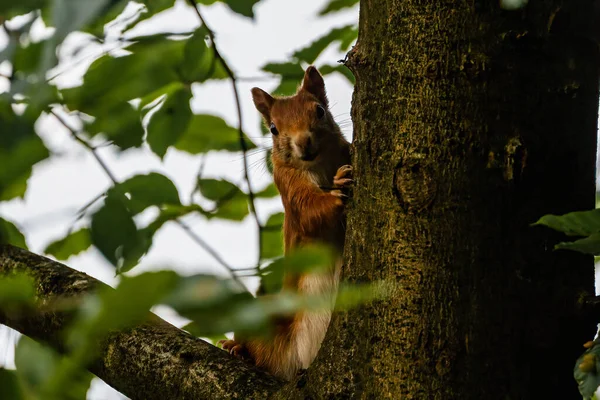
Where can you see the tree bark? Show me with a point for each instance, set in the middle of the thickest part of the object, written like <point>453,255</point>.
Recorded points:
<point>471,122</point>
<point>152,361</point>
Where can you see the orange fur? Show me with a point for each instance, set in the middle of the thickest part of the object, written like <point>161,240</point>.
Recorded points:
<point>308,151</point>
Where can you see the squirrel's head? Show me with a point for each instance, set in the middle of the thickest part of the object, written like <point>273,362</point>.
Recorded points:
<point>301,125</point>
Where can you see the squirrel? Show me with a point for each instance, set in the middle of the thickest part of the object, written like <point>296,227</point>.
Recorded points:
<point>311,170</point>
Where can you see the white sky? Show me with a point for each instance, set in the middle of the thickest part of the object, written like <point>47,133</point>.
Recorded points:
<point>64,183</point>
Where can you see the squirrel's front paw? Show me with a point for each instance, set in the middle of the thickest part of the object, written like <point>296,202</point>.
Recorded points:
<point>343,177</point>
<point>234,348</point>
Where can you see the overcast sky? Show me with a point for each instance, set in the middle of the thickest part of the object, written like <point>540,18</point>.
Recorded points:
<point>64,183</point>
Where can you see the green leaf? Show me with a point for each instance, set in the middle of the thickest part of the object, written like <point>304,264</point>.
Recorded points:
<point>212,304</point>
<point>27,58</point>
<point>44,374</point>
<point>20,149</point>
<point>121,124</point>
<point>70,15</point>
<point>306,259</point>
<point>287,87</point>
<point>148,190</point>
<point>588,245</point>
<point>116,309</point>
<point>230,202</point>
<point>10,234</point>
<point>73,244</point>
<point>109,13</point>
<point>291,70</point>
<point>9,385</point>
<point>342,69</point>
<point>344,36</point>
<point>337,5</point>
<point>272,237</point>
<point>208,132</point>
<point>587,372</point>
<point>153,64</point>
<point>268,192</point>
<point>16,291</point>
<point>168,123</point>
<point>9,9</point>
<point>243,7</point>
<point>115,234</point>
<point>579,223</point>
<point>199,61</point>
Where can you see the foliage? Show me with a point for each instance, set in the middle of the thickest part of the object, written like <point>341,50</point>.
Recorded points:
<point>586,226</point>
<point>138,97</point>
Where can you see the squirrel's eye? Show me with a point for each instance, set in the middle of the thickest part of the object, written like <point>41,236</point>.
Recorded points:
<point>273,129</point>
<point>320,111</point>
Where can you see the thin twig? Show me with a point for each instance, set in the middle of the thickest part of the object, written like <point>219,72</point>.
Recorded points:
<point>209,250</point>
<point>86,144</point>
<point>243,145</point>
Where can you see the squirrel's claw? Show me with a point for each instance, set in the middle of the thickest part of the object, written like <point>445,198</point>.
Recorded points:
<point>343,177</point>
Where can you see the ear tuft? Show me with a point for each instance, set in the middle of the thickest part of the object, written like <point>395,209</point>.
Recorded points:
<point>313,83</point>
<point>263,102</point>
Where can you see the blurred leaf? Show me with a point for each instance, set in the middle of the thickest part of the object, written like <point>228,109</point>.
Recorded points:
<point>70,15</point>
<point>210,302</point>
<point>168,123</point>
<point>122,125</point>
<point>587,372</point>
<point>115,7</point>
<point>15,189</point>
<point>337,5</point>
<point>9,385</point>
<point>39,368</point>
<point>272,237</point>
<point>9,9</point>
<point>115,234</point>
<point>27,58</point>
<point>10,234</point>
<point>579,223</point>
<point>344,36</point>
<point>154,63</point>
<point>111,10</point>
<point>243,7</point>
<point>73,244</point>
<point>231,202</point>
<point>199,61</point>
<point>148,190</point>
<point>342,69</point>
<point>208,132</point>
<point>20,149</point>
<point>289,70</point>
<point>287,87</point>
<point>306,259</point>
<point>116,309</point>
<point>269,191</point>
<point>16,291</point>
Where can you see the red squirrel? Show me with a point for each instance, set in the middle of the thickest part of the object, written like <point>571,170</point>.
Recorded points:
<point>310,167</point>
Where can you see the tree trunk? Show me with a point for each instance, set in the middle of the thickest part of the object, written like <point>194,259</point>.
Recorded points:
<point>471,122</point>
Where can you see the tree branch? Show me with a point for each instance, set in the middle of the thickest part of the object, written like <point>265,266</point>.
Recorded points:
<point>155,360</point>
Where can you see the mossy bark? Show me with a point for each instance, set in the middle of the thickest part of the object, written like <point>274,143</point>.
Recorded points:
<point>152,361</point>
<point>471,122</point>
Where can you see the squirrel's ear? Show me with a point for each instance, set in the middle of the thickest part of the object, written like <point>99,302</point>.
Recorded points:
<point>263,102</point>
<point>313,83</point>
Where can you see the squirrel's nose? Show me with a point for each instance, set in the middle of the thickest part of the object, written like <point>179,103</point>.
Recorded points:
<point>307,150</point>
